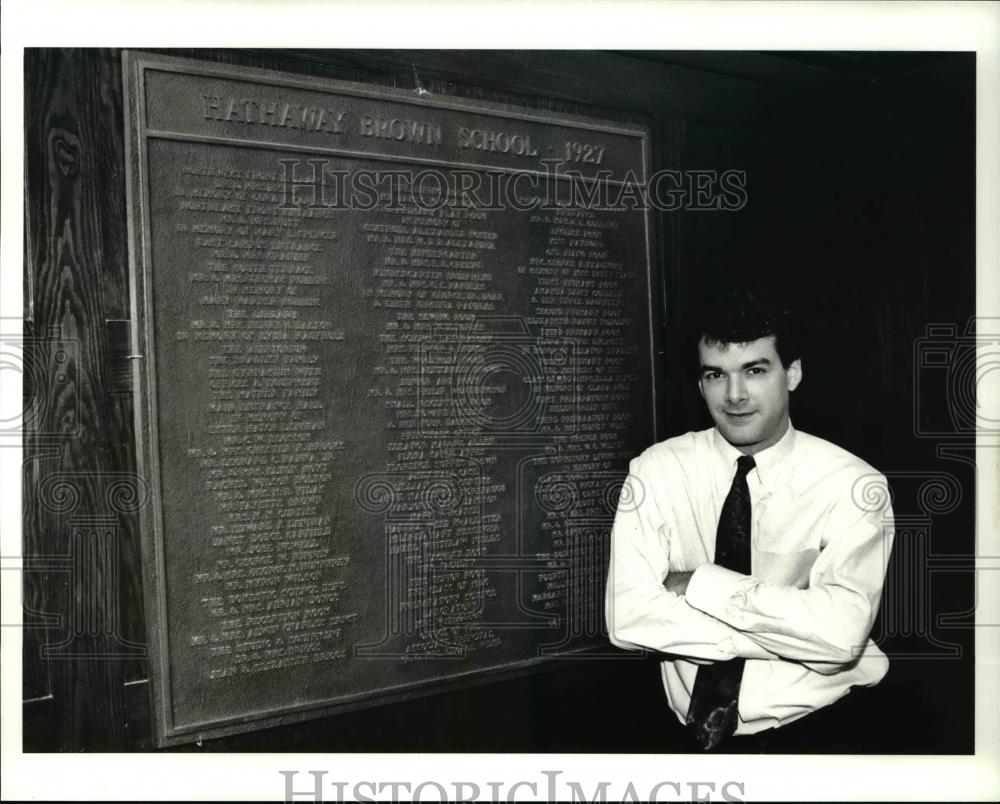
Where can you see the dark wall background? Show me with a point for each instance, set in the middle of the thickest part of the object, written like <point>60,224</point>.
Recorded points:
<point>860,179</point>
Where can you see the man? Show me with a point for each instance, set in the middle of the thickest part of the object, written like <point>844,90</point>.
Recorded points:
<point>752,553</point>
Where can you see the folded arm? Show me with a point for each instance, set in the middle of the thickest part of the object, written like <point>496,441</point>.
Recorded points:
<point>640,611</point>
<point>826,625</point>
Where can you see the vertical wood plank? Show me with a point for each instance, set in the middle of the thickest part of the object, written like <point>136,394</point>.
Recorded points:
<point>80,540</point>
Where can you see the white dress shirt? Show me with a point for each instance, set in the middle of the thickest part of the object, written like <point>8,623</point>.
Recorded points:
<point>820,539</point>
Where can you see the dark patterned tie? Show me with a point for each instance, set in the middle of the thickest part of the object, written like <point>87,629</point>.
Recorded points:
<point>713,711</point>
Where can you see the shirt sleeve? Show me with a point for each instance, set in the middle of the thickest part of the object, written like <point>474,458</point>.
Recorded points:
<point>640,612</point>
<point>826,625</point>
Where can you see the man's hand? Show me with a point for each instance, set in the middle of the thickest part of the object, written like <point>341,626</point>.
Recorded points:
<point>677,582</point>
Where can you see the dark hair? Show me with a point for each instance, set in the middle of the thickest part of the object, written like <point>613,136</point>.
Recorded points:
<point>743,315</point>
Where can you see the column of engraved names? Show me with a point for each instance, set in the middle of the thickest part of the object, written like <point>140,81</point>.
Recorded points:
<point>272,587</point>
<point>430,282</point>
<point>579,290</point>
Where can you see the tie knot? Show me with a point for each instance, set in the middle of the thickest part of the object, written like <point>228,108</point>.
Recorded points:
<point>744,464</point>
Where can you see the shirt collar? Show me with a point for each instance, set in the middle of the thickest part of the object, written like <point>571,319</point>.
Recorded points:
<point>767,461</point>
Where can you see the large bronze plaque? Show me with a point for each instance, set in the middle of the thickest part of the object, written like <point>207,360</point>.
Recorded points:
<point>391,364</point>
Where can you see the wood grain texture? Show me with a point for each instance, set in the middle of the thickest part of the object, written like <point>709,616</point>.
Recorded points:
<point>78,446</point>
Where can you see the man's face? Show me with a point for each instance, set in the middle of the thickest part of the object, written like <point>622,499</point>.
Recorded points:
<point>746,389</point>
